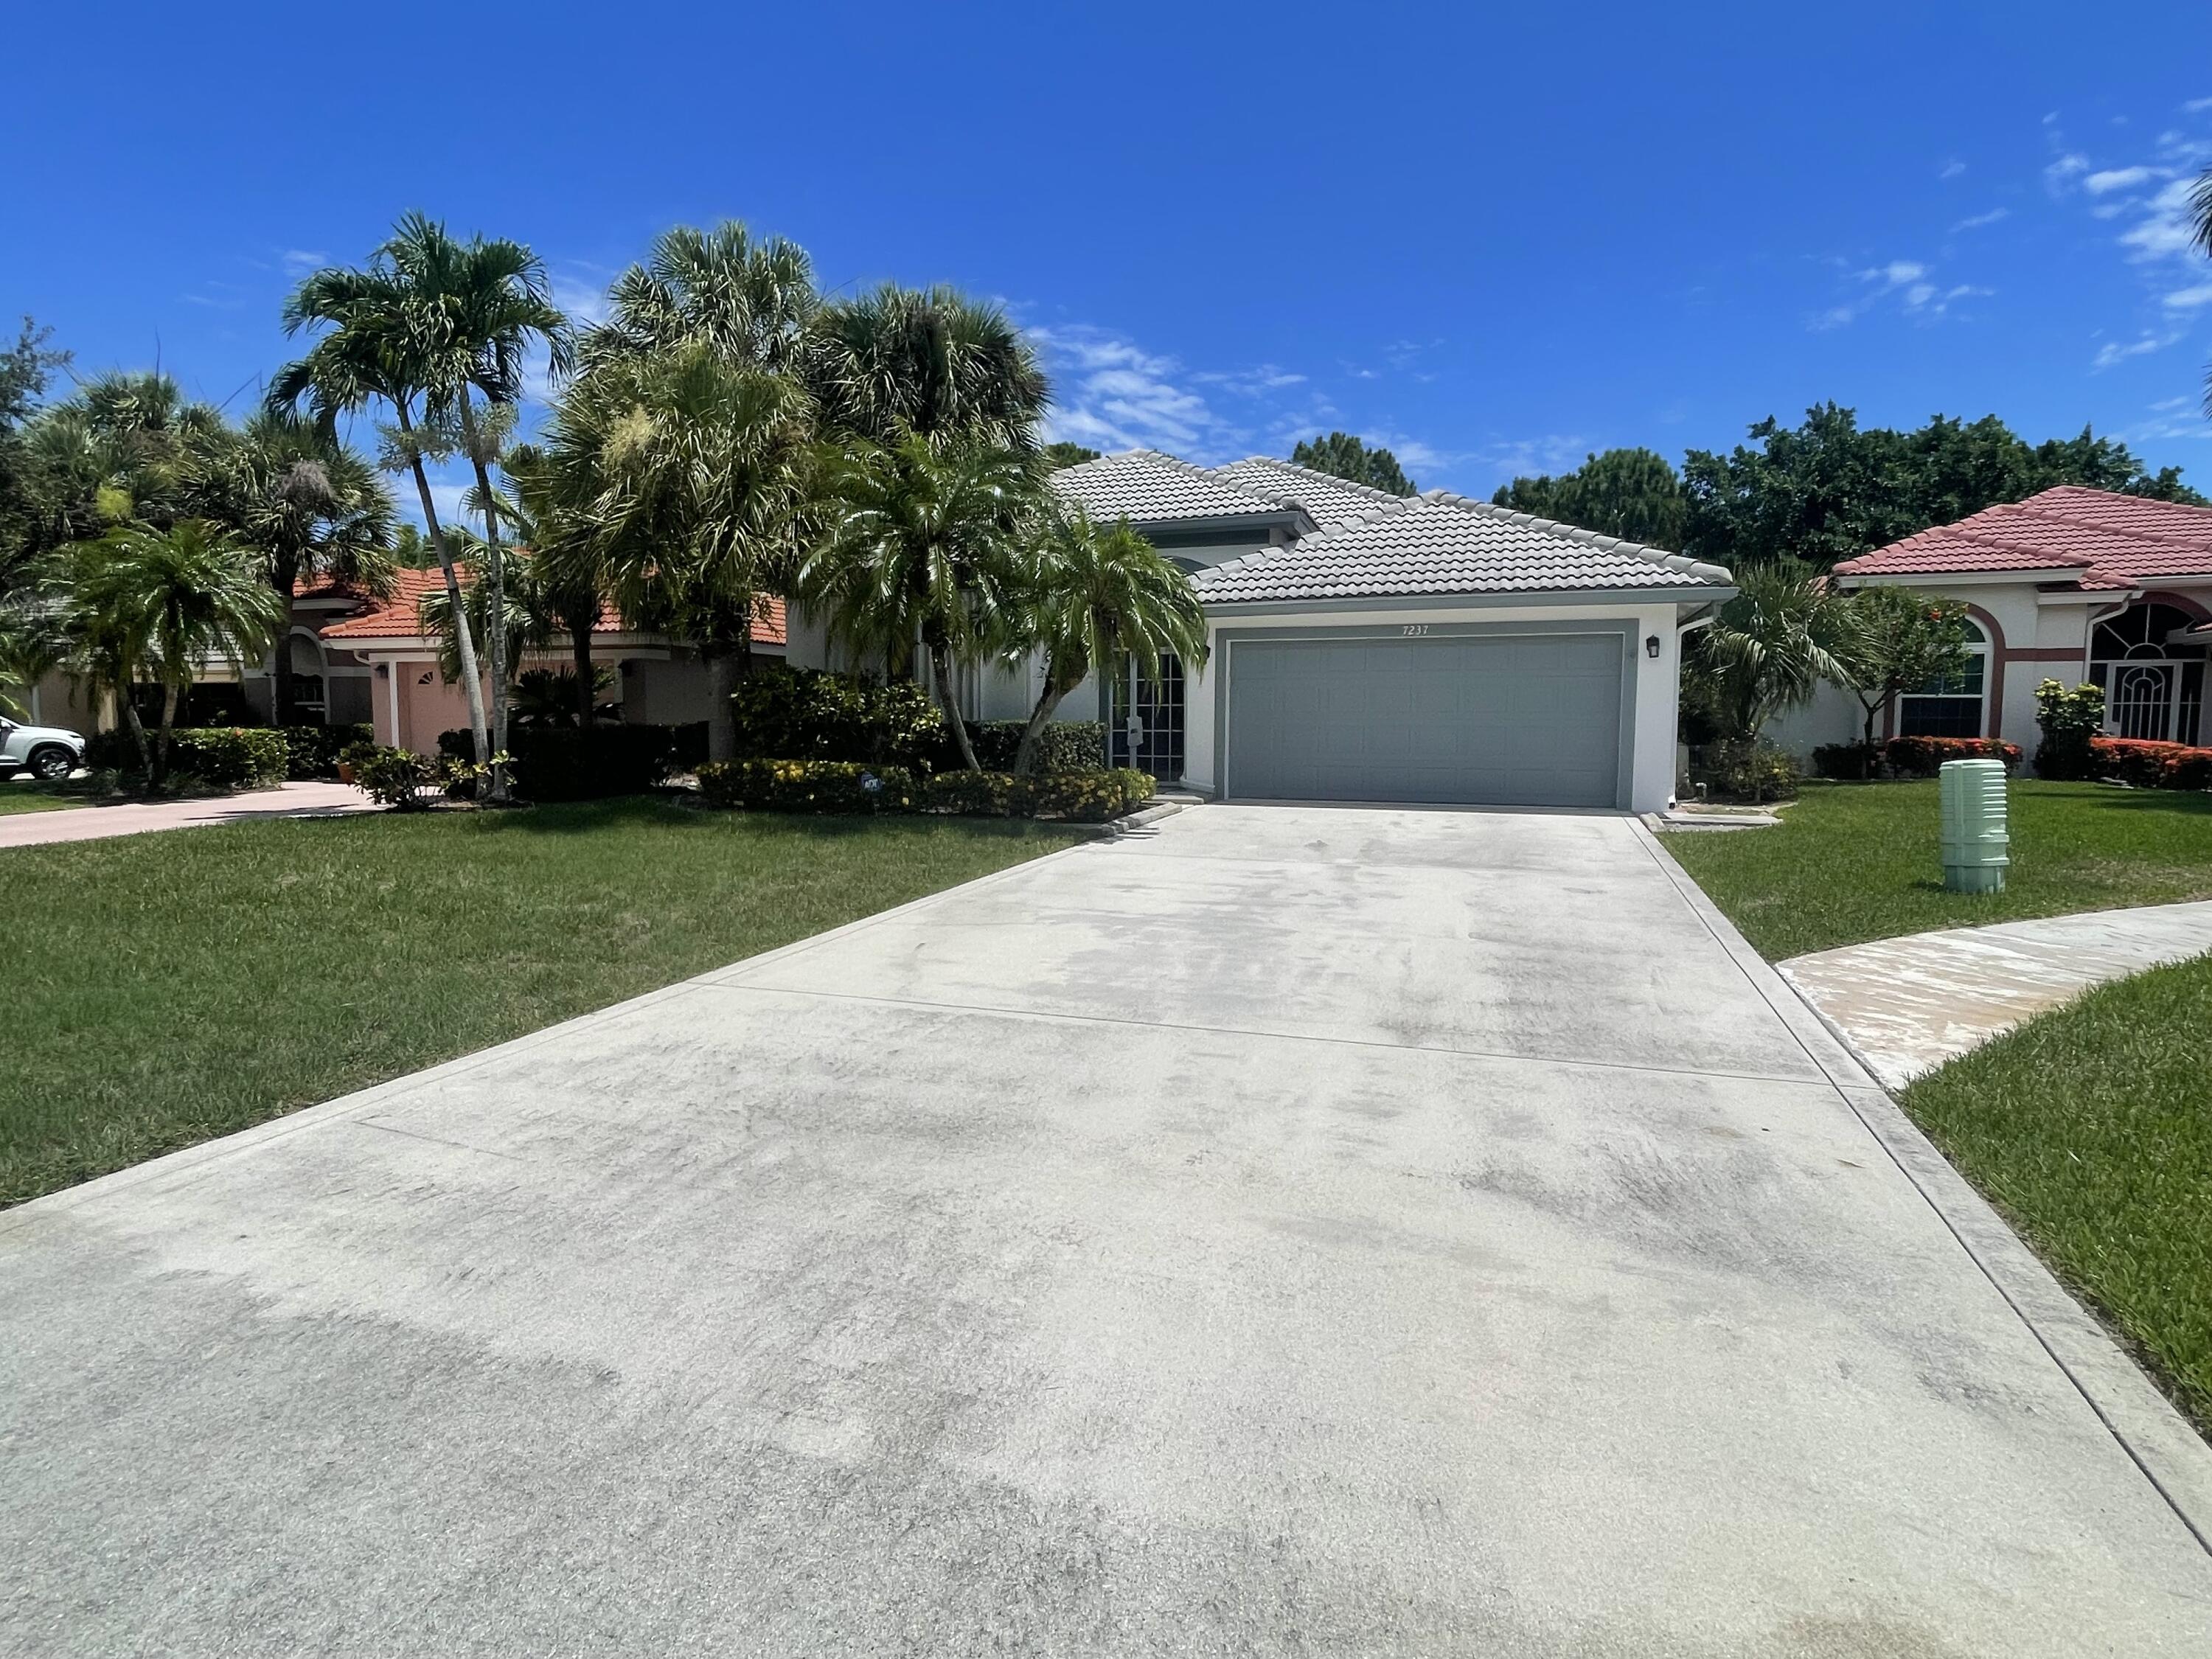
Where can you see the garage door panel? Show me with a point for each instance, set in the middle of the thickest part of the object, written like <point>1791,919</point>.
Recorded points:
<point>1509,719</point>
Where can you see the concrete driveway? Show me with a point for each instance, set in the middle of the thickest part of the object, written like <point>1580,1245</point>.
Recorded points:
<point>1292,1230</point>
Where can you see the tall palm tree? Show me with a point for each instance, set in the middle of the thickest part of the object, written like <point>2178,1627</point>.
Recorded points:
<point>312,507</point>
<point>1087,595</point>
<point>929,361</point>
<point>695,478</point>
<point>2200,236</point>
<point>371,350</point>
<point>159,604</point>
<point>921,550</point>
<point>752,299</point>
<point>480,305</point>
<point>551,510</point>
<point>1773,644</point>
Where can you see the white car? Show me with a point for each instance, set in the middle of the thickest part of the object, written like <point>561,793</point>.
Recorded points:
<point>43,751</point>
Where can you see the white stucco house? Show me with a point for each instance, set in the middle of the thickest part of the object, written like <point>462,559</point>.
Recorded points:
<point>1373,647</point>
<point>2079,585</point>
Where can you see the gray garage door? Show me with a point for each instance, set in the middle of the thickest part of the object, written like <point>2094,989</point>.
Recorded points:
<point>1511,720</point>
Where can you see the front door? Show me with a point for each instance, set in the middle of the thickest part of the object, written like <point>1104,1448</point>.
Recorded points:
<point>1146,720</point>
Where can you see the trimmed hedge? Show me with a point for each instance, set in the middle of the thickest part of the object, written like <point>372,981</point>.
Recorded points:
<point>2148,764</point>
<point>805,713</point>
<point>809,786</point>
<point>556,762</point>
<point>219,757</point>
<point>1907,757</point>
<point>1062,746</point>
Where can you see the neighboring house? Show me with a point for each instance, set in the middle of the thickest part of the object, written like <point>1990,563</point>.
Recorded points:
<point>1373,647</point>
<point>2072,585</point>
<point>380,648</point>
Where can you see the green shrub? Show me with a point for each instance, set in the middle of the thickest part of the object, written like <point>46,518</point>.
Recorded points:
<point>410,782</point>
<point>1921,757</point>
<point>313,751</point>
<point>230,757</point>
<point>1083,797</point>
<point>558,762</point>
<point>2069,717</point>
<point>1847,760</point>
<point>2150,765</point>
<point>1062,746</point>
<point>784,713</point>
<point>807,786</point>
<point>1746,770</point>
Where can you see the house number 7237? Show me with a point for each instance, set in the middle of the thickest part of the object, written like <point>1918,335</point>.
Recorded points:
<point>1416,628</point>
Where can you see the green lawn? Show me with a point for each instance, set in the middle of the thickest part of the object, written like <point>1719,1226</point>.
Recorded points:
<point>29,795</point>
<point>1860,861</point>
<point>164,988</point>
<point>2091,1127</point>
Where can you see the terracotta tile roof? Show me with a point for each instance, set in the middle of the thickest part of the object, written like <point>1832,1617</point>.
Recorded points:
<point>2116,541</point>
<point>396,618</point>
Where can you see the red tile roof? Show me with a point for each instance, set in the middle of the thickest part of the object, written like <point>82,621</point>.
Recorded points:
<point>396,618</point>
<point>2113,541</point>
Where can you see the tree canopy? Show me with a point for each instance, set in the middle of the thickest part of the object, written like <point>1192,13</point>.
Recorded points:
<point>1066,454</point>
<point>1343,456</point>
<point>1630,493</point>
<point>1831,489</point>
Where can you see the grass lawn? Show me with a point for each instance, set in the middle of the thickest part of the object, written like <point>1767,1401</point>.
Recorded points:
<point>164,988</point>
<point>2091,1128</point>
<point>1860,861</point>
<point>30,795</point>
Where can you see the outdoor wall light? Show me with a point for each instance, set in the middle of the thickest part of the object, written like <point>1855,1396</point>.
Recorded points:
<point>1651,647</point>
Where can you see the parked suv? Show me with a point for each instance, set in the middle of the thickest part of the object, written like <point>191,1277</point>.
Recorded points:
<point>45,751</point>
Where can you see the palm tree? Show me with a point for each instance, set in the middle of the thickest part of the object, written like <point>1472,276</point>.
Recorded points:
<point>158,604</point>
<point>372,351</point>
<point>480,306</point>
<point>2200,236</point>
<point>1774,643</point>
<point>550,509</point>
<point>312,508</point>
<point>693,478</point>
<point>31,646</point>
<point>751,299</point>
<point>1088,595</point>
<point>899,361</point>
<point>921,551</point>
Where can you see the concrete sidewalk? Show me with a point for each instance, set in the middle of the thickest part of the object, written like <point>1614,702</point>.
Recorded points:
<point>1281,1231</point>
<point>1910,1003</point>
<point>291,801</point>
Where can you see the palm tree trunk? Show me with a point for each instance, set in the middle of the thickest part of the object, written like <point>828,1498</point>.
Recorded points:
<point>137,727</point>
<point>170,697</point>
<point>494,598</point>
<point>580,651</point>
<point>1056,687</point>
<point>721,718</point>
<point>470,678</point>
<point>940,674</point>
<point>283,576</point>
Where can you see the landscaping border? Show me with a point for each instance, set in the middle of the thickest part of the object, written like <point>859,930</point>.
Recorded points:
<point>2134,1411</point>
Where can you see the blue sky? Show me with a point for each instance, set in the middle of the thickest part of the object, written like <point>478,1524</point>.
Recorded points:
<point>1492,238</point>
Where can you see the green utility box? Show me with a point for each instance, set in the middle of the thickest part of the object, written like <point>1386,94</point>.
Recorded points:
<point>1977,840</point>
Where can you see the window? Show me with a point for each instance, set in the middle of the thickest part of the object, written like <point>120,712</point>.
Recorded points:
<point>2153,675</point>
<point>1950,707</point>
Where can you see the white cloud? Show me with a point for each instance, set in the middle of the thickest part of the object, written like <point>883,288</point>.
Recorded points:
<point>583,297</point>
<point>303,262</point>
<point>2067,168</point>
<point>2113,179</point>
<point>1909,282</point>
<point>2198,105</point>
<point>1115,395</point>
<point>2188,299</point>
<point>1952,168</point>
<point>1981,218</point>
<point>2116,351</point>
<point>2165,228</point>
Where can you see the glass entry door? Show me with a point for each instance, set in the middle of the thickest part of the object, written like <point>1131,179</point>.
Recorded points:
<point>1145,723</point>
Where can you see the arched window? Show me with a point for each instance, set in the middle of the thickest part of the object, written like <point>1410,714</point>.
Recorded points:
<point>2154,681</point>
<point>1955,706</point>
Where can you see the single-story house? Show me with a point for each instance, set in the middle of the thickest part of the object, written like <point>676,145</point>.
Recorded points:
<point>2079,585</point>
<point>1367,646</point>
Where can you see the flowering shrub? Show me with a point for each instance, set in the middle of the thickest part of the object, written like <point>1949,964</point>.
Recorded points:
<point>2071,717</point>
<point>2150,765</point>
<point>1919,758</point>
<point>401,779</point>
<point>798,785</point>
